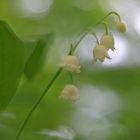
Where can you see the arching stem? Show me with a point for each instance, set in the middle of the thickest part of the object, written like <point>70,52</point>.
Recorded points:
<point>37,103</point>
<point>111,13</point>
<point>72,50</point>
<point>106,28</point>
<point>59,71</point>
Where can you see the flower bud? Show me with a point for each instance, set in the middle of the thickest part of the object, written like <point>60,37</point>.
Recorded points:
<point>71,63</point>
<point>70,93</point>
<point>100,53</point>
<point>107,41</point>
<point>121,27</point>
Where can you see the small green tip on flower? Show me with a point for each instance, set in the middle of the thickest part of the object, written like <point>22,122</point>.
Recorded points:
<point>121,27</point>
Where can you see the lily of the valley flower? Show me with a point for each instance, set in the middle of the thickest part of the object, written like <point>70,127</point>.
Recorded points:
<point>107,41</point>
<point>70,93</point>
<point>121,27</point>
<point>71,63</point>
<point>100,53</point>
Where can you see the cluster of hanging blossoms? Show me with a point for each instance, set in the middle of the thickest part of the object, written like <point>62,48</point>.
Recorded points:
<point>100,52</point>
<point>71,64</point>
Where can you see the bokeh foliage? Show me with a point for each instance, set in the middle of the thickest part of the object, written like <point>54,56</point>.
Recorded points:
<point>29,52</point>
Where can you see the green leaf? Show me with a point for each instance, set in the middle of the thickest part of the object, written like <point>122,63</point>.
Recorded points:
<point>11,63</point>
<point>37,58</point>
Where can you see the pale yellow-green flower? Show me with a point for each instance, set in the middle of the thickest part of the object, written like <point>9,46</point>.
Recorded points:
<point>69,93</point>
<point>107,41</point>
<point>100,53</point>
<point>121,27</point>
<point>71,63</point>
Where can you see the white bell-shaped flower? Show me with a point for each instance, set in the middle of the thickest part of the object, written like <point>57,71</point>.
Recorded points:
<point>71,63</point>
<point>107,41</point>
<point>121,27</point>
<point>70,93</point>
<point>100,53</point>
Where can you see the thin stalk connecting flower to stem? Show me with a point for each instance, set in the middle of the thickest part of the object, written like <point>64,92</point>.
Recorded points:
<point>71,78</point>
<point>102,20</point>
<point>96,37</point>
<point>115,13</point>
<point>111,13</point>
<point>73,49</point>
<point>106,28</point>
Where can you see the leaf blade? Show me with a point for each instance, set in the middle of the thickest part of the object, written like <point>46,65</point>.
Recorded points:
<point>11,63</point>
<point>36,60</point>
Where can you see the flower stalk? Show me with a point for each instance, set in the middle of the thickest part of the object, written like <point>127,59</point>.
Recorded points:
<point>59,71</point>
<point>37,102</point>
<point>99,53</point>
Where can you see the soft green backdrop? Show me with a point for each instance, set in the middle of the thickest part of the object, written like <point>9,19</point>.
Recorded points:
<point>32,43</point>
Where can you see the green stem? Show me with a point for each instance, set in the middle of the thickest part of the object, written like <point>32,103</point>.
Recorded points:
<point>71,49</point>
<point>88,30</point>
<point>106,16</point>
<point>37,103</point>
<point>96,38</point>
<point>71,78</point>
<point>100,22</point>
<point>46,90</point>
<point>115,13</point>
<point>111,13</point>
<point>106,28</point>
<point>55,77</point>
<point>76,45</point>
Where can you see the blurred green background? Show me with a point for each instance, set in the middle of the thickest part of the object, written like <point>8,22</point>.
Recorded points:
<point>108,108</point>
